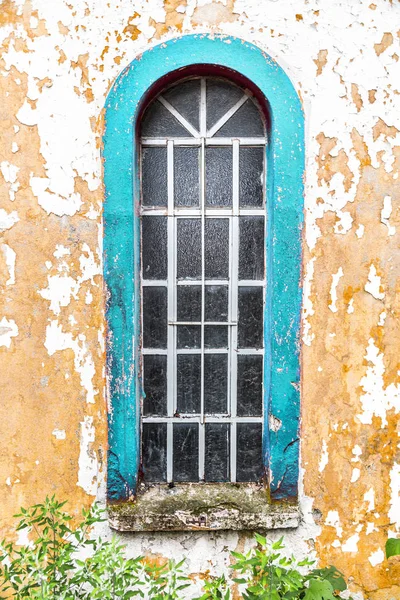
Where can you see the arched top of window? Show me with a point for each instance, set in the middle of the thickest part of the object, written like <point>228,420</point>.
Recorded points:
<point>203,106</point>
<point>219,87</point>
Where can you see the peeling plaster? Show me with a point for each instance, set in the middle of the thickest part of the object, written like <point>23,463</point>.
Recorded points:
<point>8,330</point>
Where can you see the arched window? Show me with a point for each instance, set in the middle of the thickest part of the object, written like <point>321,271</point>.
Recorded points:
<point>202,283</point>
<point>203,171</point>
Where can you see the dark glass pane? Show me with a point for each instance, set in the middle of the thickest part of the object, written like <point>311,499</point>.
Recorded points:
<point>216,239</point>
<point>217,452</point>
<point>155,384</point>
<point>251,176</point>
<point>250,326</point>
<point>154,177</point>
<point>154,317</point>
<point>186,176</point>
<point>249,385</point>
<point>216,303</point>
<point>219,176</point>
<point>216,383</point>
<point>251,248</point>
<point>246,122</point>
<point>249,463</point>
<point>186,452</point>
<point>154,451</point>
<point>216,336</point>
<point>188,336</point>
<point>185,97</point>
<point>221,96</point>
<point>159,122</point>
<point>189,302</point>
<point>188,383</point>
<point>189,249</point>
<point>154,247</point>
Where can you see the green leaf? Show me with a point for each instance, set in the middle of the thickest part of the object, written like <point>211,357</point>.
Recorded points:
<point>392,547</point>
<point>319,590</point>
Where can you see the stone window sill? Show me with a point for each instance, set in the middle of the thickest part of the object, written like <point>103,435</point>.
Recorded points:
<point>208,506</point>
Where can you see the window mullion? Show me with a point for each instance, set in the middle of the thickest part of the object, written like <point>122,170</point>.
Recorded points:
<point>234,301</point>
<point>171,365</point>
<point>202,199</point>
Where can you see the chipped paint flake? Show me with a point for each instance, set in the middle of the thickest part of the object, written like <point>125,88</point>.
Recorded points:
<point>374,285</point>
<point>8,330</point>
<point>335,281</point>
<point>9,257</point>
<point>88,465</point>
<point>324,457</point>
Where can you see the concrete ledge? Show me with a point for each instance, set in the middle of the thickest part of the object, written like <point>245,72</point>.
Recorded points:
<point>202,507</point>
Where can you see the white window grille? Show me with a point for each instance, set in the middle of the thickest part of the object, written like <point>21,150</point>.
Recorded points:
<point>202,283</point>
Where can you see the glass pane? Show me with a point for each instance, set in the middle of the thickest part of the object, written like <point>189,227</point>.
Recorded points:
<point>189,248</point>
<point>188,383</point>
<point>154,451</point>
<point>246,122</point>
<point>186,452</point>
<point>217,452</point>
<point>216,303</point>
<point>249,464</point>
<point>186,176</point>
<point>189,336</point>
<point>215,336</point>
<point>189,302</point>
<point>185,97</point>
<point>249,385</point>
<point>154,247</point>
<point>159,122</point>
<point>216,239</point>
<point>154,177</point>
<point>221,96</point>
<point>216,383</point>
<point>251,176</point>
<point>218,176</point>
<point>251,248</point>
<point>250,326</point>
<point>155,385</point>
<point>154,317</point>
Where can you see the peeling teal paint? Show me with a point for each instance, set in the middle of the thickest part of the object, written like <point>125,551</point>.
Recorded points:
<point>285,156</point>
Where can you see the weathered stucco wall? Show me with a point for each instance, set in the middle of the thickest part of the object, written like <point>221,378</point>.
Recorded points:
<point>57,62</point>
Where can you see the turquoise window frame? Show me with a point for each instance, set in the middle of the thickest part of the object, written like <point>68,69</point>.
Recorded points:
<point>285,168</point>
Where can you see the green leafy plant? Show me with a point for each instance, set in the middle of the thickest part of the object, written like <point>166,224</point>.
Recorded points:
<point>166,582</point>
<point>60,561</point>
<point>266,573</point>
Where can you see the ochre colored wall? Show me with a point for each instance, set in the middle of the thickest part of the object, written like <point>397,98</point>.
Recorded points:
<point>57,62</point>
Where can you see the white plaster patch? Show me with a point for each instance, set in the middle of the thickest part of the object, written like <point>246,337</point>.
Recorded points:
<point>9,256</point>
<point>7,220</point>
<point>360,231</point>
<point>324,457</point>
<point>8,330</point>
<point>357,453</point>
<point>355,476</point>
<point>10,174</point>
<point>308,309</point>
<point>88,464</point>
<point>61,251</point>
<point>373,285</point>
<point>333,520</point>
<point>382,318</point>
<point>59,434</point>
<point>52,202</point>
<point>351,544</point>
<point>377,398</point>
<point>376,558</point>
<point>60,290</point>
<point>350,307</point>
<point>394,511</point>
<point>335,281</point>
<point>386,213</point>
<point>57,340</point>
